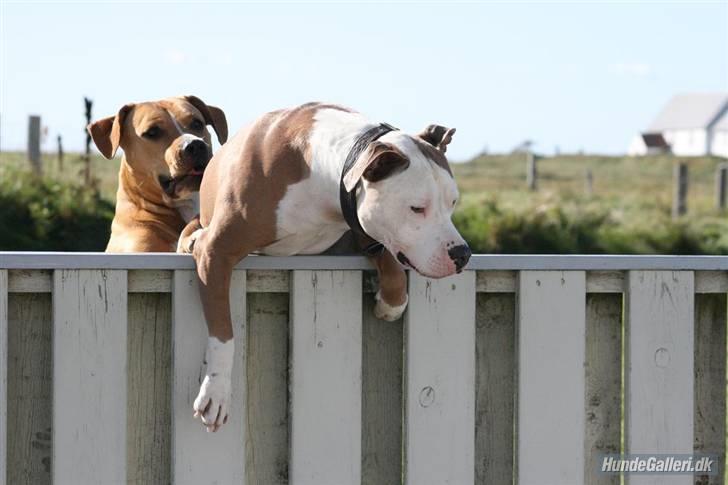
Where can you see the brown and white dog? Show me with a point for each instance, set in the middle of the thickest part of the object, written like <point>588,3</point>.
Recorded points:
<point>166,149</point>
<point>274,188</point>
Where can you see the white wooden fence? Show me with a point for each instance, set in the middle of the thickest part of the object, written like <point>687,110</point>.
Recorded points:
<point>519,370</point>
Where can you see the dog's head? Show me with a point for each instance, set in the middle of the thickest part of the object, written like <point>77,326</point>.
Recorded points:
<point>407,197</point>
<point>166,140</point>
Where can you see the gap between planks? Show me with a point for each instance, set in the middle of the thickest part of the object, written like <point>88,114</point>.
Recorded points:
<point>277,281</point>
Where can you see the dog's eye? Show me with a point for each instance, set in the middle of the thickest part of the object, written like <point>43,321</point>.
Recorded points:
<point>196,125</point>
<point>417,210</point>
<point>152,133</point>
<point>454,202</point>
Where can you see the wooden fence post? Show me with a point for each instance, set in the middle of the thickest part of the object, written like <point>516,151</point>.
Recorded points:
<point>680,193</point>
<point>589,182</point>
<point>531,172</point>
<point>34,143</point>
<point>60,153</point>
<point>721,179</point>
<point>87,157</point>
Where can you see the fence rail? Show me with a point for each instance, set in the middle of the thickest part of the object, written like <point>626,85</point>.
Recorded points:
<point>522,369</point>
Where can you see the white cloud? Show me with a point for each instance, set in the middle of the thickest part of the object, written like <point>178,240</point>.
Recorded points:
<point>175,57</point>
<point>631,69</point>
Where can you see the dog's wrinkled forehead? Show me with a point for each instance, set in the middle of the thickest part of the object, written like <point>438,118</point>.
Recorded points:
<point>173,113</point>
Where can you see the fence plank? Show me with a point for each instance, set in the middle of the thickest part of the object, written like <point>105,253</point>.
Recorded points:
<point>198,456</point>
<point>495,386</point>
<point>710,378</point>
<point>659,367</point>
<point>603,383</point>
<point>381,399</point>
<point>267,398</point>
<point>440,382</point>
<point>326,337</point>
<point>30,318</point>
<point>148,383</point>
<point>89,376</point>
<point>3,373</point>
<point>551,316</point>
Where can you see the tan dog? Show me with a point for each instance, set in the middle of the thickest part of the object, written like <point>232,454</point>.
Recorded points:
<point>166,149</point>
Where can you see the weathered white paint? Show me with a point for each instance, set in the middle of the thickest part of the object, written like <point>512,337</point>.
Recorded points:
<point>3,373</point>
<point>659,367</point>
<point>440,380</point>
<point>551,381</point>
<point>325,380</point>
<point>89,376</point>
<point>489,262</point>
<point>197,456</point>
<point>261,450</point>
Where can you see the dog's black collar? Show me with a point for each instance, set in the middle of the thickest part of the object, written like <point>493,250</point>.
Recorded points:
<point>347,199</point>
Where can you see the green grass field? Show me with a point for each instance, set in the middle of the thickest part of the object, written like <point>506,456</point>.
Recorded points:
<point>628,210</point>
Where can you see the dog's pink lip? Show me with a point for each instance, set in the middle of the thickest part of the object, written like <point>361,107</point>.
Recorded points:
<point>196,172</point>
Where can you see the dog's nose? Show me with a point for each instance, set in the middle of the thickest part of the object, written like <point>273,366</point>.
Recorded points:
<point>197,151</point>
<point>460,256</point>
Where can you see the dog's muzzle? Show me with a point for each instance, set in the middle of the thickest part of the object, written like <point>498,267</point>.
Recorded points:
<point>460,255</point>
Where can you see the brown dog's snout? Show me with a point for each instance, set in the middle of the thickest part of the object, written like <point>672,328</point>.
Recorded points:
<point>198,154</point>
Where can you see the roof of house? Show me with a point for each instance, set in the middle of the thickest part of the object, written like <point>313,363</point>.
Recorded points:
<point>695,110</point>
<point>722,124</point>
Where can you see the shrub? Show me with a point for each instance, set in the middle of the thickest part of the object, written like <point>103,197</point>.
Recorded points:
<point>41,214</point>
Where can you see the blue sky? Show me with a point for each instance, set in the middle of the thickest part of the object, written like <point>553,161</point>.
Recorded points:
<point>572,75</point>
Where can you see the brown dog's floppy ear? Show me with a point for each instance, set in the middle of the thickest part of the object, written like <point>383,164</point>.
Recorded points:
<point>437,136</point>
<point>213,116</point>
<point>106,132</point>
<point>376,163</point>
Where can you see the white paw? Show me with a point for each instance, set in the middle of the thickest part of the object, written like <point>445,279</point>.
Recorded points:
<point>213,401</point>
<point>385,311</point>
<point>185,245</point>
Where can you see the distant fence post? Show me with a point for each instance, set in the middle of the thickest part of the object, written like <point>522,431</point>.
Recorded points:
<point>60,153</point>
<point>721,179</point>
<point>531,172</point>
<point>87,157</point>
<point>680,193</point>
<point>34,143</point>
<point>589,182</point>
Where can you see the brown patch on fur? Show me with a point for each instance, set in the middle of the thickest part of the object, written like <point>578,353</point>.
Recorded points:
<point>432,153</point>
<point>243,185</point>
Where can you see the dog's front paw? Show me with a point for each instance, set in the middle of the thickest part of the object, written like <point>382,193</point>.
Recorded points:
<point>385,311</point>
<point>186,244</point>
<point>213,401</point>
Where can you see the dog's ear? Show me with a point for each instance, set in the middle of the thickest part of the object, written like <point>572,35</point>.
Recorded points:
<point>214,116</point>
<point>377,162</point>
<point>437,136</point>
<point>106,132</point>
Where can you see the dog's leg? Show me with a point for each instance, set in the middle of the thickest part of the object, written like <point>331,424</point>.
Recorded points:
<point>392,295</point>
<point>215,257</point>
<point>189,235</point>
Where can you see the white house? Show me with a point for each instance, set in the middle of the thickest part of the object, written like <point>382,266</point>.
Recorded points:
<point>690,125</point>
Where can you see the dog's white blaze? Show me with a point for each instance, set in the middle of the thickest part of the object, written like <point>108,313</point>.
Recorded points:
<point>174,122</point>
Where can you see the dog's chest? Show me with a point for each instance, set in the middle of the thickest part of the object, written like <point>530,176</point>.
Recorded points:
<point>307,220</point>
